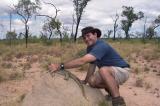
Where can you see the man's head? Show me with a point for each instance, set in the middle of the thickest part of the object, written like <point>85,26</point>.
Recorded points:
<point>92,30</point>
<point>90,35</point>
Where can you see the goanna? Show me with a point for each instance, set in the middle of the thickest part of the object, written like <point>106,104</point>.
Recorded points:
<point>68,75</point>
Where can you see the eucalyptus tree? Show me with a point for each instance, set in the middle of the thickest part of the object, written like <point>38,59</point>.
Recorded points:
<point>53,23</point>
<point>150,32</point>
<point>51,26</point>
<point>47,29</point>
<point>26,9</point>
<point>130,17</point>
<point>151,29</point>
<point>157,21</point>
<point>79,6</point>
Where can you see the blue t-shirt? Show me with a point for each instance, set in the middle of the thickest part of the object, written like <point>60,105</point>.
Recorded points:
<point>106,55</point>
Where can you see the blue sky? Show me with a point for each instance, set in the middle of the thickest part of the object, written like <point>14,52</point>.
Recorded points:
<point>98,13</point>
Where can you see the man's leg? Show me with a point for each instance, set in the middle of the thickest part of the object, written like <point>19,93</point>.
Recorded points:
<point>96,81</point>
<point>107,75</point>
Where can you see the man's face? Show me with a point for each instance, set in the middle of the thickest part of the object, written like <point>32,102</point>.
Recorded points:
<point>90,38</point>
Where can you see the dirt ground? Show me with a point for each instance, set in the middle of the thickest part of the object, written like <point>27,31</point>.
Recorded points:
<point>141,89</point>
<point>139,96</point>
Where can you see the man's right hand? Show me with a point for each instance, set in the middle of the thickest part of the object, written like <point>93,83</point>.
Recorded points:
<point>54,67</point>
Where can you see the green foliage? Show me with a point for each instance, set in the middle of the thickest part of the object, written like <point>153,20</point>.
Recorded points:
<point>47,42</point>
<point>26,8</point>
<point>65,36</point>
<point>34,39</point>
<point>11,35</point>
<point>130,16</point>
<point>53,25</point>
<point>79,5</point>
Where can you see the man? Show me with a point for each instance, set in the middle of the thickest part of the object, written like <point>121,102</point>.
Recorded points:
<point>113,70</point>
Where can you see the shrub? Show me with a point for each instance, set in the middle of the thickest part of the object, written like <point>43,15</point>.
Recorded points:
<point>146,69</point>
<point>139,82</point>
<point>6,65</point>
<point>15,76</point>
<point>26,66</point>
<point>136,70</point>
<point>1,79</point>
<point>81,53</point>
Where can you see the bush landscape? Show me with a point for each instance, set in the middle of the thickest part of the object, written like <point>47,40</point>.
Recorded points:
<point>20,65</point>
<point>36,33</point>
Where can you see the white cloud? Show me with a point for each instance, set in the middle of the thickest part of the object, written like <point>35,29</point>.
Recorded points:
<point>97,13</point>
<point>17,22</point>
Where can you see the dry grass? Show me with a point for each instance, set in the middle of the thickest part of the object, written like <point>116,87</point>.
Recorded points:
<point>21,58</point>
<point>15,60</point>
<point>139,82</point>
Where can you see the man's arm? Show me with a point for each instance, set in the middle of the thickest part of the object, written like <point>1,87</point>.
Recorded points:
<point>91,70</point>
<point>80,61</point>
<point>74,63</point>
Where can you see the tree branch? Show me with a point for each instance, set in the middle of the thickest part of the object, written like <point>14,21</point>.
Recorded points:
<point>54,7</point>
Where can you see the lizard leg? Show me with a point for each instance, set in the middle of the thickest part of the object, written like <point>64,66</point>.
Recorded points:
<point>66,76</point>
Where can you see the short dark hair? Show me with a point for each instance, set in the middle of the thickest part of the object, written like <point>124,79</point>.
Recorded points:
<point>91,29</point>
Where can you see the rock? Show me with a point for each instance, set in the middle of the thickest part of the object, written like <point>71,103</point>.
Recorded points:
<point>56,91</point>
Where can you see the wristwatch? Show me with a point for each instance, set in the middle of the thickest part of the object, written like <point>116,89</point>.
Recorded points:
<point>62,66</point>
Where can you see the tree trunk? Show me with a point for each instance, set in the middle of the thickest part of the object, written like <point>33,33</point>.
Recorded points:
<point>114,32</point>
<point>126,32</point>
<point>50,33</point>
<point>77,25</point>
<point>60,35</point>
<point>26,34</point>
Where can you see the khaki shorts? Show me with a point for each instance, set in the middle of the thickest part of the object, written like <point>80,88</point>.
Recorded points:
<point>121,74</point>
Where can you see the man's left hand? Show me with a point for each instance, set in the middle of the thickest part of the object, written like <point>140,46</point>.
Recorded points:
<point>83,81</point>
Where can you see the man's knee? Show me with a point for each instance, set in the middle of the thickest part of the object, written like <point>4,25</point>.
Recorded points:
<point>105,71</point>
